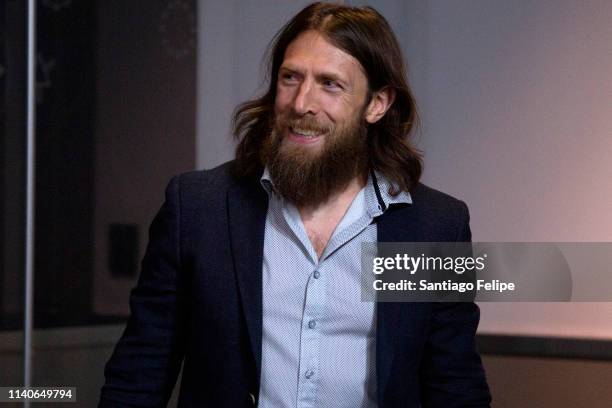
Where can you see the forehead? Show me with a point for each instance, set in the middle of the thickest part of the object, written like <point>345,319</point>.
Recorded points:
<point>311,51</point>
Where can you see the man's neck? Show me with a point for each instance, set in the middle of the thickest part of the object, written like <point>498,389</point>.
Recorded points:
<point>321,220</point>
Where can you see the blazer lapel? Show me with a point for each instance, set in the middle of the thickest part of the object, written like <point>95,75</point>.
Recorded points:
<point>247,208</point>
<point>395,225</point>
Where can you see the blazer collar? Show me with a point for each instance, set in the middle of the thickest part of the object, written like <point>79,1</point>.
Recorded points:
<point>247,207</point>
<point>397,224</point>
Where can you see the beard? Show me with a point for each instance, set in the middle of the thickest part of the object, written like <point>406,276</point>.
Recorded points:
<point>307,175</point>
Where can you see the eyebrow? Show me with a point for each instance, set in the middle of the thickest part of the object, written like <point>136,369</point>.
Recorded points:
<point>319,75</point>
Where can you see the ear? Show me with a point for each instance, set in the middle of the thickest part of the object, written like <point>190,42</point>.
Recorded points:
<point>379,104</point>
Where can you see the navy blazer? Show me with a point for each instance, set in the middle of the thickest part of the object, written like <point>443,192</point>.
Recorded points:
<point>199,300</point>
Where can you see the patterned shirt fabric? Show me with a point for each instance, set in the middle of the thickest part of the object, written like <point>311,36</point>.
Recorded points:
<point>318,337</point>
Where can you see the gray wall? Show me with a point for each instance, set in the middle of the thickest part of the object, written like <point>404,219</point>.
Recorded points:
<point>516,106</point>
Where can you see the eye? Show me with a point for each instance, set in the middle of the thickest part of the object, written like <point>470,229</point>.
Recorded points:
<point>288,77</point>
<point>331,85</point>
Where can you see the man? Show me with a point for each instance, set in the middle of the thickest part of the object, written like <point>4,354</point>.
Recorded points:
<point>252,270</point>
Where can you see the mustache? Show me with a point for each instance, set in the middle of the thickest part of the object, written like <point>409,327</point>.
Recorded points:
<point>307,123</point>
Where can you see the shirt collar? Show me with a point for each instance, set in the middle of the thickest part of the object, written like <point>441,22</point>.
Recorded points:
<point>377,196</point>
<point>266,181</point>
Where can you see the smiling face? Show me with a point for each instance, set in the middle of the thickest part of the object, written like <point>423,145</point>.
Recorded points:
<point>319,138</point>
<point>322,109</point>
<point>320,94</point>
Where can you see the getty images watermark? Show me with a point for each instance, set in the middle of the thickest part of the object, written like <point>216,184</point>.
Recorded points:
<point>455,264</point>
<point>486,271</point>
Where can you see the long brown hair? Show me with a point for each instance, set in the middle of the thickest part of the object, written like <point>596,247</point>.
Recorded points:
<point>364,34</point>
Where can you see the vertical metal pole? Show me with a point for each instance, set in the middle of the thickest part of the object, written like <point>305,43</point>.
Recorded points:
<point>30,190</point>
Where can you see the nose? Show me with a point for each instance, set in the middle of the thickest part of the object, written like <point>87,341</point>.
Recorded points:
<point>305,99</point>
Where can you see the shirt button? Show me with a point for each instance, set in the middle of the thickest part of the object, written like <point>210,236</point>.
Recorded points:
<point>312,324</point>
<point>316,274</point>
<point>308,374</point>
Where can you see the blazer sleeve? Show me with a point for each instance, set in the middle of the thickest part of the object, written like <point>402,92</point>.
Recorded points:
<point>452,372</point>
<point>146,361</point>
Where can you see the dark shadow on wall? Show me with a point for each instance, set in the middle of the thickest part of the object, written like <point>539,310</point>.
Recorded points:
<point>115,120</point>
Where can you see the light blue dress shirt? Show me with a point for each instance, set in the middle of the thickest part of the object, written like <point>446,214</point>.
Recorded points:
<point>318,337</point>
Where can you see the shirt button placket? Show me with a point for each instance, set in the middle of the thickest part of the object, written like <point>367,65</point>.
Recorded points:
<point>309,353</point>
